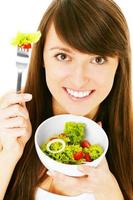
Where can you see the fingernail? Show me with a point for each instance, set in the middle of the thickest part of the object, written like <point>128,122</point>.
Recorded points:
<point>27,97</point>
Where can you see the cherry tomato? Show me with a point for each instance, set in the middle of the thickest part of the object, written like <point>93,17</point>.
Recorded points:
<point>85,143</point>
<point>78,155</point>
<point>87,157</point>
<point>26,46</point>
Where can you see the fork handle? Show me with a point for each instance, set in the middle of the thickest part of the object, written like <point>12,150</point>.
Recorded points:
<point>19,81</point>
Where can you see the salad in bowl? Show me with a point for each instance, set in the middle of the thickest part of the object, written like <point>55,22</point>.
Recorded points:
<point>71,147</point>
<point>64,141</point>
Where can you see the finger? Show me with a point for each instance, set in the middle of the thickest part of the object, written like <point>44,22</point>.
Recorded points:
<point>50,172</point>
<point>99,123</point>
<point>13,139</point>
<point>58,175</point>
<point>14,122</point>
<point>92,170</point>
<point>14,111</point>
<point>14,98</point>
<point>85,169</point>
<point>14,132</point>
<point>60,179</point>
<point>103,163</point>
<point>9,135</point>
<point>61,182</point>
<point>54,173</point>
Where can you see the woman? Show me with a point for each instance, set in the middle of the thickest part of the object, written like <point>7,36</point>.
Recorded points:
<point>81,65</point>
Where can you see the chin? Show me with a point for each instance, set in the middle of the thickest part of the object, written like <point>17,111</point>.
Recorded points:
<point>77,112</point>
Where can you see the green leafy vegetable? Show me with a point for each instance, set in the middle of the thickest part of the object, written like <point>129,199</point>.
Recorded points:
<point>95,151</point>
<point>25,38</point>
<point>74,152</point>
<point>75,131</point>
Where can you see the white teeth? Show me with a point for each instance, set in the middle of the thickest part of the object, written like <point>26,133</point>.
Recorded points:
<point>78,94</point>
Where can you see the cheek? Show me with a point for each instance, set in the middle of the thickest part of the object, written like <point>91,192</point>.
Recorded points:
<point>56,73</point>
<point>105,81</point>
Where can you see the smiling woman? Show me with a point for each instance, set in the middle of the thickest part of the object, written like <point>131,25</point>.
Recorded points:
<point>73,77</point>
<point>81,65</point>
<point>23,23</point>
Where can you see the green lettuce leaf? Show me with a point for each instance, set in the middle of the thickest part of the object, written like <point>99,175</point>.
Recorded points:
<point>25,38</point>
<point>75,131</point>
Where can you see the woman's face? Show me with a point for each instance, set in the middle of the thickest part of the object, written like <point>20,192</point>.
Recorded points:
<point>78,82</point>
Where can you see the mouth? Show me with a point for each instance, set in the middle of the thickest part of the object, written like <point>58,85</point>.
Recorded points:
<point>79,95</point>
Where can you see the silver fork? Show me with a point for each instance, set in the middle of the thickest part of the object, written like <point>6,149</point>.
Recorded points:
<point>22,62</point>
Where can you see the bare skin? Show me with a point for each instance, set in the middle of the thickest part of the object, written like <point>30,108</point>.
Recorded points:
<point>15,131</point>
<point>78,82</point>
<point>69,74</point>
<point>99,181</point>
<point>16,126</point>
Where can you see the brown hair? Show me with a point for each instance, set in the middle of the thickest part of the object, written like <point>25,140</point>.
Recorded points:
<point>97,27</point>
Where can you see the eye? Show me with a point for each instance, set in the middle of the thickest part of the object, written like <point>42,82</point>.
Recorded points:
<point>62,57</point>
<point>99,60</point>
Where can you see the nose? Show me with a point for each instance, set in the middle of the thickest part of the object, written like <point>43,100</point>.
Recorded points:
<point>79,76</point>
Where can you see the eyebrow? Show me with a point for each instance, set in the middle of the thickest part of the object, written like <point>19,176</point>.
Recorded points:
<point>61,49</point>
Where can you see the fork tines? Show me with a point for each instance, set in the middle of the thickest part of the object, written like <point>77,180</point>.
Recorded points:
<point>22,58</point>
<point>22,52</point>
<point>22,61</point>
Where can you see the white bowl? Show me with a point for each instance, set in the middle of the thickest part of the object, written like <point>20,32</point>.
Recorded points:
<point>55,125</point>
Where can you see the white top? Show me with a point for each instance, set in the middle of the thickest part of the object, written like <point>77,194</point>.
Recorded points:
<point>43,194</point>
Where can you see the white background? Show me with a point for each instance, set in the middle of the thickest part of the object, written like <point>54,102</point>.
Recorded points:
<point>24,16</point>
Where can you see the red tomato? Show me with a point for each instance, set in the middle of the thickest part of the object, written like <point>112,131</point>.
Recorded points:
<point>78,155</point>
<point>87,157</point>
<point>85,143</point>
<point>26,46</point>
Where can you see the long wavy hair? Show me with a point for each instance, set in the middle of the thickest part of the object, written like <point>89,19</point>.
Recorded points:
<point>97,27</point>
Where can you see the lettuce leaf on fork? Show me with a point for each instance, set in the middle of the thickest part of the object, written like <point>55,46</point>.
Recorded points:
<point>25,38</point>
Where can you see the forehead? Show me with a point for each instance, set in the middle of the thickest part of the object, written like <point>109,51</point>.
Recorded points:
<point>52,39</point>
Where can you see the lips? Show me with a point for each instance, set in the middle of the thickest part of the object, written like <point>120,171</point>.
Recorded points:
<point>79,94</point>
